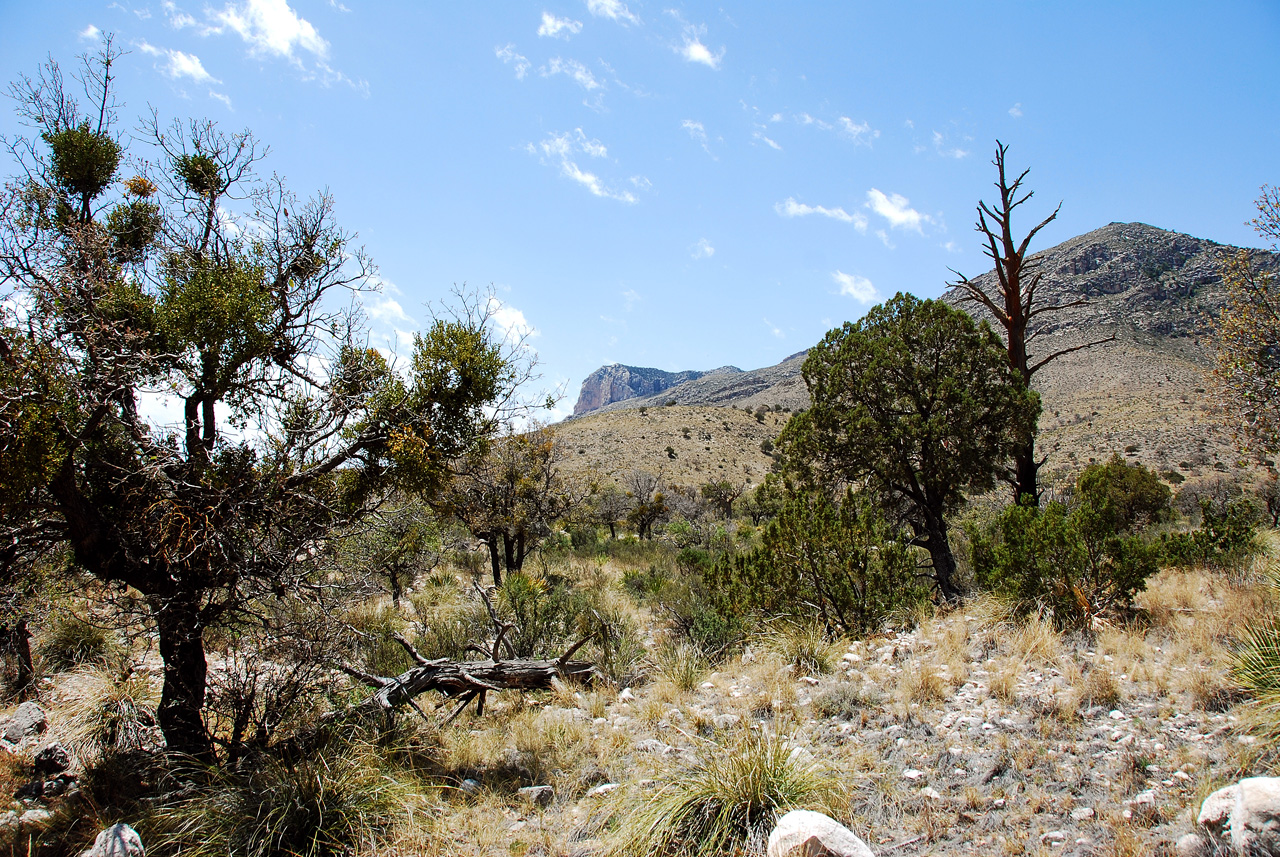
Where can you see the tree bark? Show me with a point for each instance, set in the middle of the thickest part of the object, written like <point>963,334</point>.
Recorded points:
<point>185,676</point>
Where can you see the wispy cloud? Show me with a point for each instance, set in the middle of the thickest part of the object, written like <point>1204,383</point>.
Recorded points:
<point>896,209</point>
<point>508,55</point>
<point>1016,110</point>
<point>558,28</point>
<point>698,133</point>
<point>631,297</point>
<point>273,28</point>
<point>791,208</point>
<point>574,69</point>
<point>856,287</point>
<point>90,33</point>
<point>388,310</point>
<point>615,10</point>
<point>225,99</point>
<point>940,146</point>
<point>177,18</point>
<point>703,249</point>
<point>176,64</point>
<point>562,150</point>
<point>774,329</point>
<point>859,132</point>
<point>759,135</point>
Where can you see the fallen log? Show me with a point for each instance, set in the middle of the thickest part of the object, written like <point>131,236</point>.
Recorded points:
<point>470,680</point>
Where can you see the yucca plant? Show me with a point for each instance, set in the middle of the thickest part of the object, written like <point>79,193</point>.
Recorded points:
<point>727,801</point>
<point>1256,660</point>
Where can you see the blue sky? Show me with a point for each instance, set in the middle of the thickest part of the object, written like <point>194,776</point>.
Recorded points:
<point>691,185</point>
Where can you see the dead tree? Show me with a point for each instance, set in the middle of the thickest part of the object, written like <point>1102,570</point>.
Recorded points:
<point>1014,304</point>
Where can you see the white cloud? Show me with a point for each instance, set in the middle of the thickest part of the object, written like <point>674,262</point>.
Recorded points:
<point>1016,110</point>
<point>178,64</point>
<point>574,69</point>
<point>777,117</point>
<point>562,150</point>
<point>884,238</point>
<point>272,27</point>
<point>792,208</point>
<point>388,310</point>
<point>631,297</point>
<point>90,33</point>
<point>856,287</point>
<point>615,10</point>
<point>509,321</point>
<point>558,28</point>
<point>806,119</point>
<point>703,249</point>
<point>225,99</point>
<point>860,132</point>
<point>774,329</point>
<point>509,56</point>
<point>695,51</point>
<point>767,141</point>
<point>177,18</point>
<point>640,182</point>
<point>896,209</point>
<point>951,247</point>
<point>940,146</point>
<point>698,133</point>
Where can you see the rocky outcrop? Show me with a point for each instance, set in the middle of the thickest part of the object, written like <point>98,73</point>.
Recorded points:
<point>617,383</point>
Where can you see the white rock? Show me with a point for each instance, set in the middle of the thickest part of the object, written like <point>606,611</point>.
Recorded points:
<point>726,721</point>
<point>803,833</point>
<point>1193,845</point>
<point>931,793</point>
<point>118,840</point>
<point>35,817</point>
<point>1215,812</point>
<point>912,774</point>
<point>626,695</point>
<point>1053,836</point>
<point>602,789</point>
<point>1083,813</point>
<point>1255,819</point>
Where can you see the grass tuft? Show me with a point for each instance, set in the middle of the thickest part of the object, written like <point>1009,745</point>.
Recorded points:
<point>727,801</point>
<point>804,645</point>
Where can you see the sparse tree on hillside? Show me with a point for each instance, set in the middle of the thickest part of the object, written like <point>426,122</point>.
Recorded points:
<point>917,402</point>
<point>1248,367</point>
<point>648,502</point>
<point>722,494</point>
<point>223,292</point>
<point>1014,303</point>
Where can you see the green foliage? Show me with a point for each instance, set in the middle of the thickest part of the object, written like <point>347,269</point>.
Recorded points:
<point>919,402</point>
<point>547,611</point>
<point>72,641</point>
<point>1069,563</point>
<point>200,173</point>
<point>133,227</point>
<point>1127,496</point>
<point>726,802</point>
<point>806,645</point>
<point>1224,536</point>
<point>82,162</point>
<point>818,559</point>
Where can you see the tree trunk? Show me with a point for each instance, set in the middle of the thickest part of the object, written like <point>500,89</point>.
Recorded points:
<point>495,560</point>
<point>944,562</point>
<point>1026,474</point>
<point>185,672</point>
<point>509,551</point>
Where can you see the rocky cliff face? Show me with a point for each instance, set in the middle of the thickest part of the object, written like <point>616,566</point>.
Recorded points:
<point>617,383</point>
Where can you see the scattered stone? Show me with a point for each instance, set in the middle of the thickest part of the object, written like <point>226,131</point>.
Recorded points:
<point>118,840</point>
<point>8,821</point>
<point>803,833</point>
<point>626,695</point>
<point>1084,813</point>
<point>726,721</point>
<point>540,796</point>
<point>912,774</point>
<point>470,786</point>
<point>52,759</point>
<point>1194,845</point>
<point>653,745</point>
<point>810,680</point>
<point>28,720</point>
<point>931,793</point>
<point>1143,807</point>
<point>601,790</point>
<point>1053,836</point>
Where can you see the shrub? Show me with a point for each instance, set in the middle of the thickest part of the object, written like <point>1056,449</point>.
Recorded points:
<point>1224,537</point>
<point>547,612</point>
<point>805,645</point>
<point>339,805</point>
<point>726,802</point>
<point>819,560</point>
<point>1070,565</point>
<point>1126,496</point>
<point>72,641</point>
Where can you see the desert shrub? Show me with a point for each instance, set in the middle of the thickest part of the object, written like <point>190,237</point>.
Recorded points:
<point>806,645</point>
<point>1223,539</point>
<point>1255,662</point>
<point>547,611</point>
<point>1126,497</point>
<point>726,802</point>
<point>372,643</point>
<point>338,805</point>
<point>71,641</point>
<point>845,702</point>
<point>681,664</point>
<point>836,563</point>
<point>109,713</point>
<point>1070,565</point>
<point>680,592</point>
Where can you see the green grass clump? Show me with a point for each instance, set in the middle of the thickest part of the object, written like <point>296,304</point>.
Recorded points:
<point>342,804</point>
<point>72,641</point>
<point>726,802</point>
<point>682,664</point>
<point>804,645</point>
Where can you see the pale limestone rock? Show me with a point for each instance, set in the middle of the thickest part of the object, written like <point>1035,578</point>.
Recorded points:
<point>803,833</point>
<point>118,840</point>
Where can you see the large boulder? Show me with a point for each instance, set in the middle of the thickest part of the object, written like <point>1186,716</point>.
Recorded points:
<point>118,840</point>
<point>26,721</point>
<point>1241,820</point>
<point>803,833</point>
